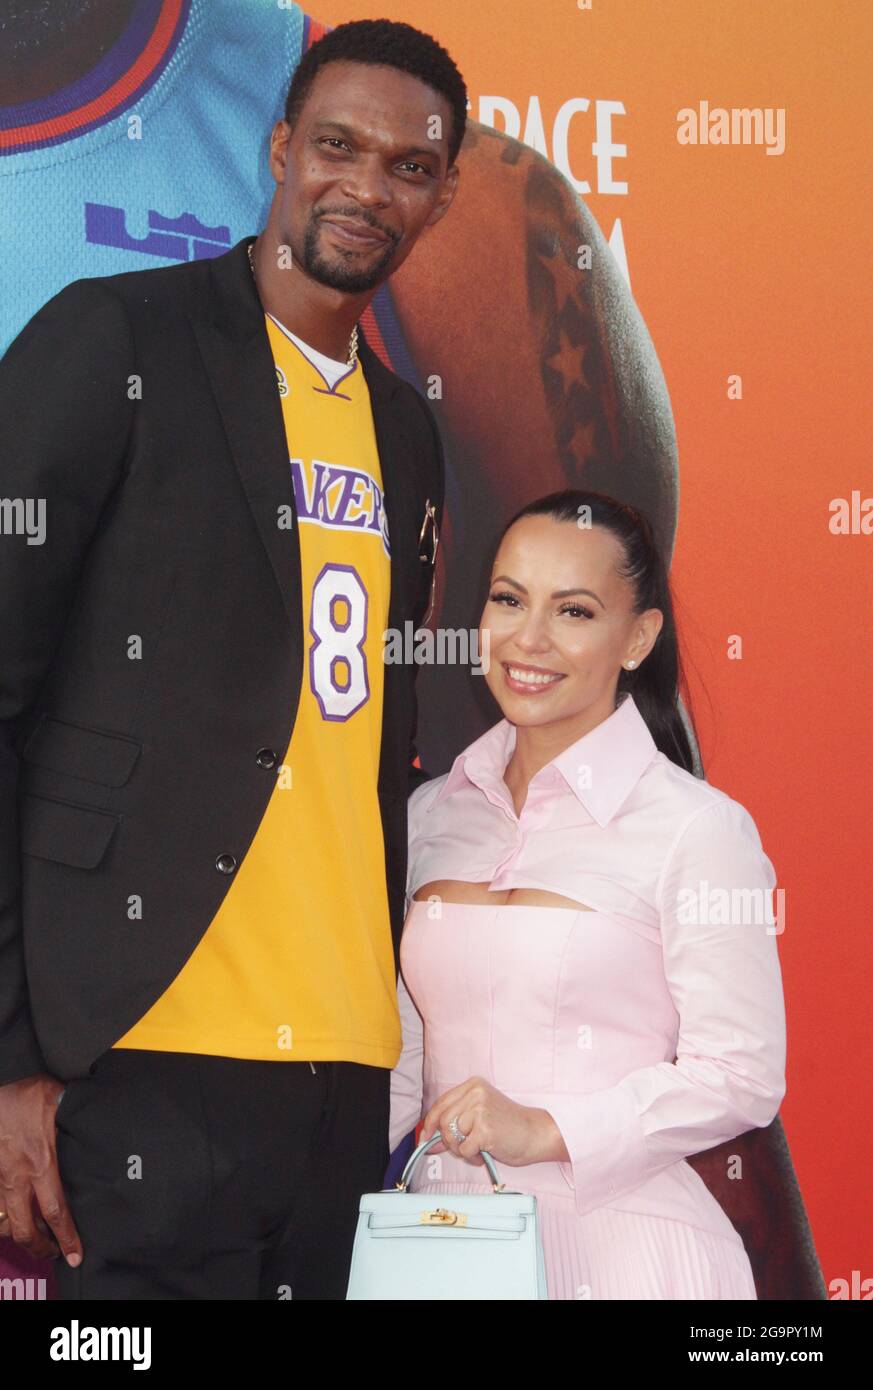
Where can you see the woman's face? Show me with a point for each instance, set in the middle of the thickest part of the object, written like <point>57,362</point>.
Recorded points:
<point>559,622</point>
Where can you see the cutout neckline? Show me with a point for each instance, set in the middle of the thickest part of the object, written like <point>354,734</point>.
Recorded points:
<point>504,907</point>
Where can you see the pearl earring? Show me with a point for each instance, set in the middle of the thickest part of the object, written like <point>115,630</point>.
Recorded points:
<point>630,666</point>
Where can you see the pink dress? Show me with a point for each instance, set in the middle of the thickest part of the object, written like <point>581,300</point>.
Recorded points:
<point>648,1032</point>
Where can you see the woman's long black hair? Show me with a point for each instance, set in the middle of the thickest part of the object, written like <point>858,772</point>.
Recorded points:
<point>656,683</point>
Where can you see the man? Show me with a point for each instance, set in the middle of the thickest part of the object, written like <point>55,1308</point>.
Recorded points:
<point>213,759</point>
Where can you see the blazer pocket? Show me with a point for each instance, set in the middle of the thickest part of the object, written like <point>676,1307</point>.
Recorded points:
<point>92,755</point>
<point>65,832</point>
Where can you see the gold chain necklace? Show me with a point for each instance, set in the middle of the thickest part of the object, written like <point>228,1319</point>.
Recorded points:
<point>353,340</point>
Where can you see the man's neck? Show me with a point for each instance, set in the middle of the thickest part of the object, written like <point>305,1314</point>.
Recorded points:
<point>321,316</point>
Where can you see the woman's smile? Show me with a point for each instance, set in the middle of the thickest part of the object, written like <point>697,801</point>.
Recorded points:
<point>529,680</point>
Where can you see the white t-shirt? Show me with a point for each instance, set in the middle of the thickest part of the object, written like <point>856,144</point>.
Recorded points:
<point>330,369</point>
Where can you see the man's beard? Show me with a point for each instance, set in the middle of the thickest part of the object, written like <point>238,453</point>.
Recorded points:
<point>342,275</point>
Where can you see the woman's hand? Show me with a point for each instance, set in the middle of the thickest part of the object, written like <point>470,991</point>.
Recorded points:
<point>511,1133</point>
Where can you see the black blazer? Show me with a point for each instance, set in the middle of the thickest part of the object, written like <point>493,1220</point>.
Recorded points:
<point>152,640</point>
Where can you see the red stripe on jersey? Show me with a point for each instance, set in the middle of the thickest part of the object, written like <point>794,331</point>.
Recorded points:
<point>116,95</point>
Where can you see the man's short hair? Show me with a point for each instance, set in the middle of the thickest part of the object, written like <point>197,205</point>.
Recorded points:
<point>385,43</point>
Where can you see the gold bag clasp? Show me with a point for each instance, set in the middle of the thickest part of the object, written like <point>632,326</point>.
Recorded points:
<point>442,1217</point>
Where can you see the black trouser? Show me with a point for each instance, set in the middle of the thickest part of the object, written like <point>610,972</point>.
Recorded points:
<point>211,1177</point>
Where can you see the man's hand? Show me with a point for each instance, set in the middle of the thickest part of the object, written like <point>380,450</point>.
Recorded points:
<point>29,1169</point>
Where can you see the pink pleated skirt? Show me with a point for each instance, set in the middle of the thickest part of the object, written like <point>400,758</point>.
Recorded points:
<point>621,1254</point>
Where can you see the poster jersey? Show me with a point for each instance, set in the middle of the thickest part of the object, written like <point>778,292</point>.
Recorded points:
<point>156,155</point>
<point>298,962</point>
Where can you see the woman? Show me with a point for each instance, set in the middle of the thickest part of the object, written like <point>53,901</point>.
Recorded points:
<point>590,983</point>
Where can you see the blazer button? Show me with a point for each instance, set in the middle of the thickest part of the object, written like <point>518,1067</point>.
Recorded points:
<point>265,757</point>
<point>225,863</point>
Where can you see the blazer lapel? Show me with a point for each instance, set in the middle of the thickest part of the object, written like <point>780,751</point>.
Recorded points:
<point>235,347</point>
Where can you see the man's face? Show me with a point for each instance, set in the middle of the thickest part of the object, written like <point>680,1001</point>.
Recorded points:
<point>364,152</point>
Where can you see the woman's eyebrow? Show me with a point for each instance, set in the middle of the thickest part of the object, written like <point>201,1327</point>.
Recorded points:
<point>558,593</point>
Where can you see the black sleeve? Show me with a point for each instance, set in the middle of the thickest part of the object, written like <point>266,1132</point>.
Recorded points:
<point>65,419</point>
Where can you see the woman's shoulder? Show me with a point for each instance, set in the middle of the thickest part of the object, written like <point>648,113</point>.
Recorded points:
<point>421,824</point>
<point>426,794</point>
<point>488,750</point>
<point>703,826</point>
<point>680,798</point>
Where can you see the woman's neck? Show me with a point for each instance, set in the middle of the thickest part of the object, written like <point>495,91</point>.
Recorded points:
<point>538,744</point>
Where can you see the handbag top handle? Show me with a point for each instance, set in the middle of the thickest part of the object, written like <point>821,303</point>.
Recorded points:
<point>422,1149</point>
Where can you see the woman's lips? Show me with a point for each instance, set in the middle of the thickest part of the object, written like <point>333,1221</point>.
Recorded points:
<point>541,681</point>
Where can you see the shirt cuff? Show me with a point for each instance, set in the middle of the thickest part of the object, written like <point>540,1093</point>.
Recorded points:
<point>606,1144</point>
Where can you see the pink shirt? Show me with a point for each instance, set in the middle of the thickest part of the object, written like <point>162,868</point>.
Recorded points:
<point>650,1028</point>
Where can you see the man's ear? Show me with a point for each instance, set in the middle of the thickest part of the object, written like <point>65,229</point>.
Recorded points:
<point>444,202</point>
<point>279,137</point>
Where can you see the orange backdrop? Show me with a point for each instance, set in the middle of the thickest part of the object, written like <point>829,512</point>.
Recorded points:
<point>757,265</point>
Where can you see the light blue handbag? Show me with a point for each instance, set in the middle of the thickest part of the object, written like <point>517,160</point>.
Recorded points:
<point>438,1245</point>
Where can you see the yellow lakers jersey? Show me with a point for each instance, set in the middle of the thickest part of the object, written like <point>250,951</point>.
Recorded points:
<point>298,962</point>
